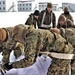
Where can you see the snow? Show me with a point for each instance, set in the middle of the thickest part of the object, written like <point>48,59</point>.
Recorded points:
<point>13,18</point>
<point>8,19</point>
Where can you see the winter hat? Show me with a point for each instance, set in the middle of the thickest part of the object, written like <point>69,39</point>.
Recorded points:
<point>36,12</point>
<point>66,9</point>
<point>3,34</point>
<point>49,5</point>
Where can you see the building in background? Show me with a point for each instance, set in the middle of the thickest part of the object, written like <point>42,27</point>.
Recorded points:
<point>8,5</point>
<point>71,6</point>
<point>31,5</point>
<point>55,7</point>
<point>2,5</point>
<point>27,6</point>
<point>43,5</point>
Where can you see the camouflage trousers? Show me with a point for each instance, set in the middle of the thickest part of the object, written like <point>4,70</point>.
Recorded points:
<point>55,70</point>
<point>73,67</point>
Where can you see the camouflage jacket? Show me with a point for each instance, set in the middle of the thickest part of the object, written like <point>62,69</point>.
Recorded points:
<point>32,20</point>
<point>69,35</point>
<point>9,45</point>
<point>48,18</point>
<point>67,24</point>
<point>5,45</point>
<point>68,16</point>
<point>44,40</point>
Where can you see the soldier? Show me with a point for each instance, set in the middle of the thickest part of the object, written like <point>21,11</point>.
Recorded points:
<point>10,45</point>
<point>43,40</point>
<point>69,35</point>
<point>64,23</point>
<point>33,19</point>
<point>67,14</point>
<point>5,36</point>
<point>6,45</point>
<point>47,18</point>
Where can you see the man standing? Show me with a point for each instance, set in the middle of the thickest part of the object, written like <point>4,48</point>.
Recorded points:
<point>47,18</point>
<point>33,19</point>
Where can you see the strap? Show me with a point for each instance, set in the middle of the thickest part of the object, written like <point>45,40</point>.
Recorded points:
<point>36,25</point>
<point>43,17</point>
<point>46,26</point>
<point>59,55</point>
<point>43,25</point>
<point>51,19</point>
<point>32,18</point>
<point>55,38</point>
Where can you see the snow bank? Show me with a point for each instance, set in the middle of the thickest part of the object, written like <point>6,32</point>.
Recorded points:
<point>13,18</point>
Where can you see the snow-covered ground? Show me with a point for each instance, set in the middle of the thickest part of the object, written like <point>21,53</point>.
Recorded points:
<point>13,18</point>
<point>8,19</point>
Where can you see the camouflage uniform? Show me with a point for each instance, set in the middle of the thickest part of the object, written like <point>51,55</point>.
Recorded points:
<point>67,23</point>
<point>7,46</point>
<point>69,34</point>
<point>60,66</point>
<point>32,20</point>
<point>44,40</point>
<point>48,18</point>
<point>36,40</point>
<point>6,49</point>
<point>67,14</point>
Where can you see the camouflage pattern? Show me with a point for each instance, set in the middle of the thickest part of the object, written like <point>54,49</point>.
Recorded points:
<point>47,19</point>
<point>45,41</point>
<point>32,20</point>
<point>36,40</point>
<point>68,16</point>
<point>7,46</point>
<point>6,49</point>
<point>67,24</point>
<point>69,34</point>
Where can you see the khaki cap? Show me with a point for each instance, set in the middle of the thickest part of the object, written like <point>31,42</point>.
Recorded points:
<point>66,9</point>
<point>49,5</point>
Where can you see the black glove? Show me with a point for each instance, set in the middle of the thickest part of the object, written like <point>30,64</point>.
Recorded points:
<point>7,66</point>
<point>40,54</point>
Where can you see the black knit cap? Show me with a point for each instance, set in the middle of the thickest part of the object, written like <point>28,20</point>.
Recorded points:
<point>36,12</point>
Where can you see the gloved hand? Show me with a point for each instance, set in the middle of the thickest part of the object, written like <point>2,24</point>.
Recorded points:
<point>7,66</point>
